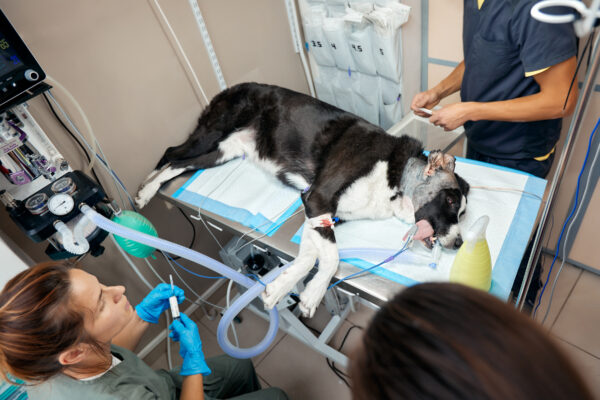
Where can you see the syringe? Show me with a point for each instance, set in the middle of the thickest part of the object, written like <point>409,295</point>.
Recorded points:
<point>173,300</point>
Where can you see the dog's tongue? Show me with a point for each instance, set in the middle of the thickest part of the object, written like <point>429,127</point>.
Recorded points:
<point>424,230</point>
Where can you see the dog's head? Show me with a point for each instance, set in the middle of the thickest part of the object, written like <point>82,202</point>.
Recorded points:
<point>440,199</point>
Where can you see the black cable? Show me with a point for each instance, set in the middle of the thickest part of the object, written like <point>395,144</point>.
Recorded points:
<point>579,65</point>
<point>73,137</point>
<point>193,232</point>
<point>339,373</point>
<point>591,39</point>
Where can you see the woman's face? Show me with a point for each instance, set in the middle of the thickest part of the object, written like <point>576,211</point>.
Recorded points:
<point>107,310</point>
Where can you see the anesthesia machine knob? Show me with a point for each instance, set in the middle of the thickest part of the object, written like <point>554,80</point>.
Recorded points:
<point>32,75</point>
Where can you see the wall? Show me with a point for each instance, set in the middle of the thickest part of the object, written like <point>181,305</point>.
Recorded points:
<point>12,263</point>
<point>118,60</point>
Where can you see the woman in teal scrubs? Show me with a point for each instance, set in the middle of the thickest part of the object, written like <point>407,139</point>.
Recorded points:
<point>71,337</point>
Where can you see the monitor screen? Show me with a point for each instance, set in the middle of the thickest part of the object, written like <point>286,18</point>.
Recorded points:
<point>9,60</point>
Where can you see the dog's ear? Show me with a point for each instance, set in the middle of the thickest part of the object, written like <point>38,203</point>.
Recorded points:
<point>439,160</point>
<point>463,185</point>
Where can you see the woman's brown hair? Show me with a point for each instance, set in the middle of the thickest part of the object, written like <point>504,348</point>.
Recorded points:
<point>448,341</point>
<point>37,322</point>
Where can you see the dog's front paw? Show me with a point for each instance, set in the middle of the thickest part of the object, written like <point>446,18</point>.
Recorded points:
<point>277,290</point>
<point>310,300</point>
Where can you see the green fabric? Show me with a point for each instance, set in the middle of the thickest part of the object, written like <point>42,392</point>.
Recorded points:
<point>132,379</point>
<point>236,379</point>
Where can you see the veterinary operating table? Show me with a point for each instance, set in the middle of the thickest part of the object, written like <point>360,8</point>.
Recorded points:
<point>509,233</point>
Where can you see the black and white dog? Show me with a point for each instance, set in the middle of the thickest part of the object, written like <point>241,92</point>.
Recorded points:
<point>345,166</point>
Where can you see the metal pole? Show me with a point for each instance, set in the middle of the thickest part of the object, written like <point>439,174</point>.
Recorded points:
<point>586,91</point>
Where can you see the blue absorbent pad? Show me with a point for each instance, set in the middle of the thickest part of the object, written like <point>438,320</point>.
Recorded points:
<point>512,218</point>
<point>243,193</point>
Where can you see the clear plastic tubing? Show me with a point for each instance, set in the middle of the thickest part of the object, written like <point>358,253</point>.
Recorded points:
<point>254,288</point>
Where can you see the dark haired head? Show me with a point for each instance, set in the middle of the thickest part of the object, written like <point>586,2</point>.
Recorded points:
<point>448,341</point>
<point>38,322</point>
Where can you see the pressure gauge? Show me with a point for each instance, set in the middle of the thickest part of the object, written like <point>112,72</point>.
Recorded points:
<point>37,204</point>
<point>60,204</point>
<point>64,185</point>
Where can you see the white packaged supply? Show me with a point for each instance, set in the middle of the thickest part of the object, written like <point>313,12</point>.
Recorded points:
<point>387,39</point>
<point>366,96</point>
<point>336,8</point>
<point>362,6</point>
<point>358,33</point>
<point>390,108</point>
<point>333,28</point>
<point>342,89</point>
<point>323,78</point>
<point>316,41</point>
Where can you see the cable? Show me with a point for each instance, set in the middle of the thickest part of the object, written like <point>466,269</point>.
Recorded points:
<point>585,48</point>
<point>116,179</point>
<point>86,122</point>
<point>264,234</point>
<point>188,286</point>
<point>103,163</point>
<point>131,264</point>
<point>153,270</point>
<point>193,232</point>
<point>195,273</point>
<point>356,274</point>
<point>501,189</point>
<point>579,208</point>
<point>339,373</point>
<point>72,136</point>
<point>201,207</point>
<point>575,204</point>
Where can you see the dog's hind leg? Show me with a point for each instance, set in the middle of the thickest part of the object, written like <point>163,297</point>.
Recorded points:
<point>156,178</point>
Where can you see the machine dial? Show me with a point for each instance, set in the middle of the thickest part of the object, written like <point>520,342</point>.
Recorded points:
<point>61,204</point>
<point>32,75</point>
<point>37,204</point>
<point>64,185</point>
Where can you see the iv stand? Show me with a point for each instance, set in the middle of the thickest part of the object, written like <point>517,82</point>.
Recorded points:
<point>574,127</point>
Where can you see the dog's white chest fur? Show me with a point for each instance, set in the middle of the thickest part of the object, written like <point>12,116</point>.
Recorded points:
<point>371,197</point>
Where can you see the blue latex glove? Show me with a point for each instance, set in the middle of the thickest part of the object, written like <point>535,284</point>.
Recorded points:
<point>185,331</point>
<point>157,301</point>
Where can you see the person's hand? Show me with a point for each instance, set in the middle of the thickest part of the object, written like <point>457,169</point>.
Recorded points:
<point>185,331</point>
<point>427,99</point>
<point>157,301</point>
<point>451,116</point>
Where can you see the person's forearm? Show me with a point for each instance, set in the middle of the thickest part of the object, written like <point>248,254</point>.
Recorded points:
<point>130,336</point>
<point>452,83</point>
<point>192,388</point>
<point>556,98</point>
<point>535,107</point>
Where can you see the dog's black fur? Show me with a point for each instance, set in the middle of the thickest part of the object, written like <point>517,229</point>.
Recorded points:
<point>328,147</point>
<point>326,152</point>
